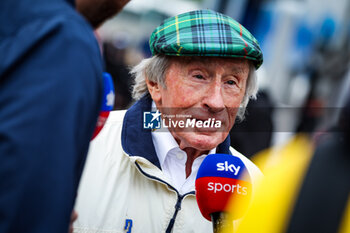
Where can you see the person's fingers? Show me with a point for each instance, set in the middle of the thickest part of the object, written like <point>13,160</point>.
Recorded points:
<point>73,217</point>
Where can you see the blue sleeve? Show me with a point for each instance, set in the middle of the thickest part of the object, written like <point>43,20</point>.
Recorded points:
<point>50,96</point>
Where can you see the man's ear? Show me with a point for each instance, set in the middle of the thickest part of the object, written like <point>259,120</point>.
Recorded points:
<point>154,90</point>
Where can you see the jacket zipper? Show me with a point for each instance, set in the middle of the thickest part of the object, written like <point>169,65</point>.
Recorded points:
<point>177,208</point>
<point>178,202</point>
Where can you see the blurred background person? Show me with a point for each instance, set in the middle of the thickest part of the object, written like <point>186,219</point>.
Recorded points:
<point>50,97</point>
<point>254,132</point>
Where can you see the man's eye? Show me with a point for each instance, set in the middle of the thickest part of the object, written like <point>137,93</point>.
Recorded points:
<point>198,76</point>
<point>231,82</point>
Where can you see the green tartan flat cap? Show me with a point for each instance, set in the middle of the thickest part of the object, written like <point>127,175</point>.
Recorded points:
<point>205,33</point>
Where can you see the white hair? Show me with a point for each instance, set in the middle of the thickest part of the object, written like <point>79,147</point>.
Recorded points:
<point>155,68</point>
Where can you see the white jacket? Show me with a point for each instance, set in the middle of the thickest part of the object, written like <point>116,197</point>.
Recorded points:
<point>123,189</point>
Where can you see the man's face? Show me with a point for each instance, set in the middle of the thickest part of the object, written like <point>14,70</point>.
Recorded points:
<point>202,88</point>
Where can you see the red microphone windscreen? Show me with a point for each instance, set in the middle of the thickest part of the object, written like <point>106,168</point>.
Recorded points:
<point>222,178</point>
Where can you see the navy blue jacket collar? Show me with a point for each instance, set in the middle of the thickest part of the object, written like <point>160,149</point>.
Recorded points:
<point>137,141</point>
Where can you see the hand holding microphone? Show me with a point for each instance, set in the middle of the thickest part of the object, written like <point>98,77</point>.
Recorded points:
<point>222,179</point>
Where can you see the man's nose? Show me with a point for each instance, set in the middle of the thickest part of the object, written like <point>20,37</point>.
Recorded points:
<point>214,100</point>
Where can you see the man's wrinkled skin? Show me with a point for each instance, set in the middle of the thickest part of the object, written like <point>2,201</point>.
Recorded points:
<point>204,88</point>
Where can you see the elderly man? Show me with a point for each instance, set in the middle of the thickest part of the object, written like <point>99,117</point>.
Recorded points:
<point>142,180</point>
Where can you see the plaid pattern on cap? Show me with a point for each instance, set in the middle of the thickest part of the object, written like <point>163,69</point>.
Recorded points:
<point>205,33</point>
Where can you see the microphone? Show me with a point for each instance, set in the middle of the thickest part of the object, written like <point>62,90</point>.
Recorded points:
<point>107,103</point>
<point>222,179</point>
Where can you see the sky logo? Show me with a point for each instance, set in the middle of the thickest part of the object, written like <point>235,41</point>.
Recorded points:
<point>151,120</point>
<point>228,167</point>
